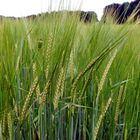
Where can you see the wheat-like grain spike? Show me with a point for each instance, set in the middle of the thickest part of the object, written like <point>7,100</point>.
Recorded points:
<point>4,124</point>
<point>37,88</point>
<point>71,66</point>
<point>48,54</point>
<point>58,89</point>
<point>28,98</point>
<point>44,93</point>
<point>89,66</point>
<point>102,82</point>
<point>101,117</point>
<point>118,104</point>
<point>9,122</point>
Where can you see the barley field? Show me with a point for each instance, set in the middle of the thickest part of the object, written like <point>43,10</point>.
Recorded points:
<point>62,79</point>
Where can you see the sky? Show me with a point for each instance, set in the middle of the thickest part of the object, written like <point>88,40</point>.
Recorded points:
<point>20,8</point>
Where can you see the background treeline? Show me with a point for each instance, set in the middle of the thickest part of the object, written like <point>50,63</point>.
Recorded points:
<point>115,13</point>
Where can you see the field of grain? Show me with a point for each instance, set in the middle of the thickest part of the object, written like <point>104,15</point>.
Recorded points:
<point>61,79</point>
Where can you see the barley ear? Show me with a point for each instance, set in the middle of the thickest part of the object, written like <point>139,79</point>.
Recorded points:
<point>48,54</point>
<point>102,81</point>
<point>101,117</point>
<point>59,88</point>
<point>44,93</point>
<point>118,104</point>
<point>37,88</point>
<point>28,98</point>
<point>9,121</point>
<point>4,123</point>
<point>88,67</point>
<point>71,66</point>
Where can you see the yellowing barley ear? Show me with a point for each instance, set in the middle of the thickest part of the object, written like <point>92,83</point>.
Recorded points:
<point>48,54</point>
<point>17,65</point>
<point>118,104</point>
<point>62,83</point>
<point>102,81</point>
<point>4,124</point>
<point>71,67</point>
<point>37,88</point>
<point>59,88</point>
<point>44,93</point>
<point>38,94</point>
<point>28,34</point>
<point>28,98</point>
<point>101,117</point>
<point>88,67</point>
<point>34,69</point>
<point>9,122</point>
<point>124,92</point>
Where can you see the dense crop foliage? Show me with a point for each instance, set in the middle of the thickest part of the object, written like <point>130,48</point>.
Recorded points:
<point>63,79</point>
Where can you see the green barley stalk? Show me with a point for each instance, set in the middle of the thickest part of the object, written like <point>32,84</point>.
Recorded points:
<point>1,130</point>
<point>139,130</point>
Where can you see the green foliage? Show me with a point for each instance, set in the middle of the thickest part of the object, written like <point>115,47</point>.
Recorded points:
<point>63,79</point>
